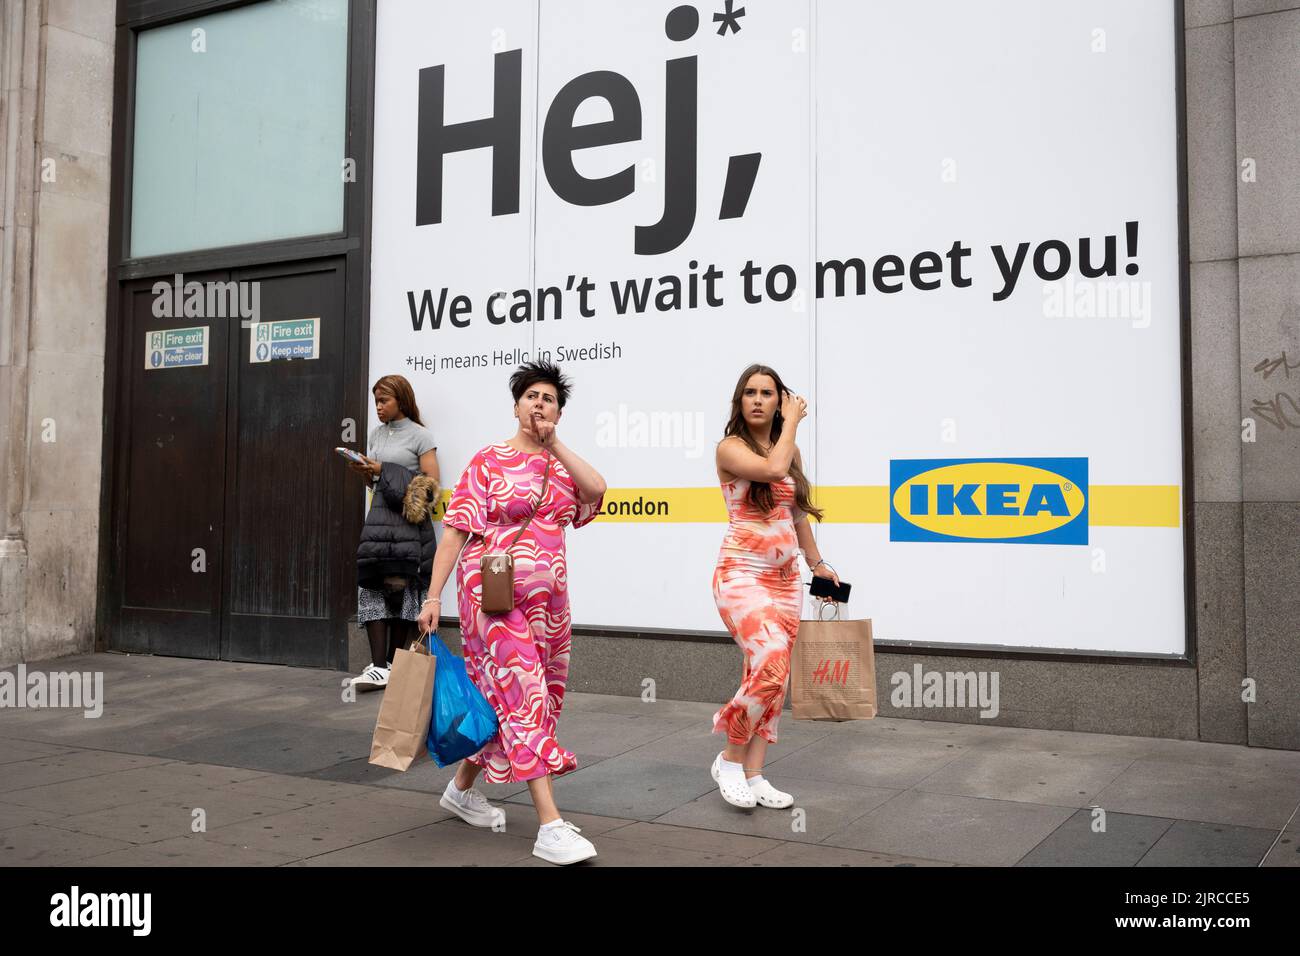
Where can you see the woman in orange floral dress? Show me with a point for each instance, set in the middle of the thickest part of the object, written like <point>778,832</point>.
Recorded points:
<point>756,583</point>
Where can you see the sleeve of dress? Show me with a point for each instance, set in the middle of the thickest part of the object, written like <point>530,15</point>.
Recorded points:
<point>468,507</point>
<point>587,512</point>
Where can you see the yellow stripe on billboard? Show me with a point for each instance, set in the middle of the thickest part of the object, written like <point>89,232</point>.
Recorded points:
<point>1109,506</point>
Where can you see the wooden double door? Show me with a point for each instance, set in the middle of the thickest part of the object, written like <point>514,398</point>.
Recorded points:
<point>233,529</point>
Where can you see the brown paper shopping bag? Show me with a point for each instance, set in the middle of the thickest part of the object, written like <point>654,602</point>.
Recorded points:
<point>833,671</point>
<point>403,724</point>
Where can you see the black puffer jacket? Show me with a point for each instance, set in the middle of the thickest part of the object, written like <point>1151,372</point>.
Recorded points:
<point>397,539</point>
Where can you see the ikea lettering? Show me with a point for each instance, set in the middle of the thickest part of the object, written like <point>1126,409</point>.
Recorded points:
<point>1010,500</point>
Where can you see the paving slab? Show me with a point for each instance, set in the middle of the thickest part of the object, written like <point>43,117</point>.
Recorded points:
<point>894,763</point>
<point>1076,842</point>
<point>71,765</point>
<point>692,838</point>
<point>191,690</point>
<point>437,844</point>
<point>325,827</point>
<point>40,845</point>
<point>596,735</point>
<point>821,808</point>
<point>149,821</point>
<point>12,750</point>
<point>611,851</point>
<point>275,747</point>
<point>627,787</point>
<point>689,710</point>
<point>1286,850</point>
<point>1027,776</point>
<point>301,790</point>
<point>696,745</point>
<point>805,854</point>
<point>183,775</point>
<point>89,794</point>
<point>424,776</point>
<point>896,727</point>
<point>140,730</point>
<point>1182,791</point>
<point>936,826</point>
<point>190,850</point>
<point>1209,844</point>
<point>12,815</point>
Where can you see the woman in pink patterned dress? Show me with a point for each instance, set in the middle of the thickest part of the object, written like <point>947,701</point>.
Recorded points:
<point>519,660</point>
<point>756,582</point>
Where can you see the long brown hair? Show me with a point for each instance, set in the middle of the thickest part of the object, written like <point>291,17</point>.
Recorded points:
<point>760,492</point>
<point>402,391</point>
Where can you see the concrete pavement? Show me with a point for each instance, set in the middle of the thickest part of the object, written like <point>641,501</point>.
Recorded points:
<point>219,763</point>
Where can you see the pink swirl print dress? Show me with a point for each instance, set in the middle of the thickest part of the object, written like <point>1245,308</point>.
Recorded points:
<point>757,590</point>
<point>519,660</point>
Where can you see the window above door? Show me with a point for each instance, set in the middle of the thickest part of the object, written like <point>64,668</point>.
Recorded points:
<point>240,127</point>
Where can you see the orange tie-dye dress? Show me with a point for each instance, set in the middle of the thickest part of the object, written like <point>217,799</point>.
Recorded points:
<point>757,589</point>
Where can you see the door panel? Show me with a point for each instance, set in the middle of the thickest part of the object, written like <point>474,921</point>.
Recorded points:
<point>168,542</point>
<point>287,487</point>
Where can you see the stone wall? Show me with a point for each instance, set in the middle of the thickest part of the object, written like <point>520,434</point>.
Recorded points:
<point>56,123</point>
<point>1243,122</point>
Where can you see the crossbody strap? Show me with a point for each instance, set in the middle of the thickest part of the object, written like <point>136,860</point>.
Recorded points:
<point>541,496</point>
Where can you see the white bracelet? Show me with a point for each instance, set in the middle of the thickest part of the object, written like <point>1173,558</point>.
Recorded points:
<point>432,601</point>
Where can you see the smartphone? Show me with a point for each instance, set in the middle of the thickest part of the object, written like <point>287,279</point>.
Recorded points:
<point>825,588</point>
<point>351,455</point>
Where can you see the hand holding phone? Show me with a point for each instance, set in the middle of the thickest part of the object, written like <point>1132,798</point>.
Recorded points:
<point>829,590</point>
<point>359,463</point>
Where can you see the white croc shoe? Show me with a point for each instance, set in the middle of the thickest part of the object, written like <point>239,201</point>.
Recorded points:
<point>735,792</point>
<point>561,844</point>
<point>768,795</point>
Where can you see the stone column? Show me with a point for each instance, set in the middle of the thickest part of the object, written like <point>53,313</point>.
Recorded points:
<point>1266,44</point>
<point>57,79</point>
<point>19,61</point>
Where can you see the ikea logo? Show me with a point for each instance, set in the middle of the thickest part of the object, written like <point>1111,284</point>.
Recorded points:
<point>1006,500</point>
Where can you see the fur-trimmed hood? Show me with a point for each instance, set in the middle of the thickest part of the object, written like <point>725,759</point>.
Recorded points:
<point>421,499</point>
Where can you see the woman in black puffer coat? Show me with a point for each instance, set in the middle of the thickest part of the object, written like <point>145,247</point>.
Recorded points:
<point>397,545</point>
<point>397,540</point>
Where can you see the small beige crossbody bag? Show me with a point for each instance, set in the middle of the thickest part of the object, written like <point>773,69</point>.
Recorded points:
<point>497,569</point>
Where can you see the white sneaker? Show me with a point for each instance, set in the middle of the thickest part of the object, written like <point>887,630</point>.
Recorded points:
<point>372,678</point>
<point>768,795</point>
<point>472,807</point>
<point>561,844</point>
<point>735,791</point>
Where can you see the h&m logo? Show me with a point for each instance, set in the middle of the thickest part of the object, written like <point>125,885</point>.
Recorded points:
<point>500,133</point>
<point>1007,500</point>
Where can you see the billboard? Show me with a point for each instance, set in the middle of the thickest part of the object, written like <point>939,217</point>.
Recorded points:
<point>952,226</point>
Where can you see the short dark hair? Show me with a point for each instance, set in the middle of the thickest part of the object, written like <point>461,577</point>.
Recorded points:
<point>530,373</point>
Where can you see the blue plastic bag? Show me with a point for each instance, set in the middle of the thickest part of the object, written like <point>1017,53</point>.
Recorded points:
<point>463,720</point>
